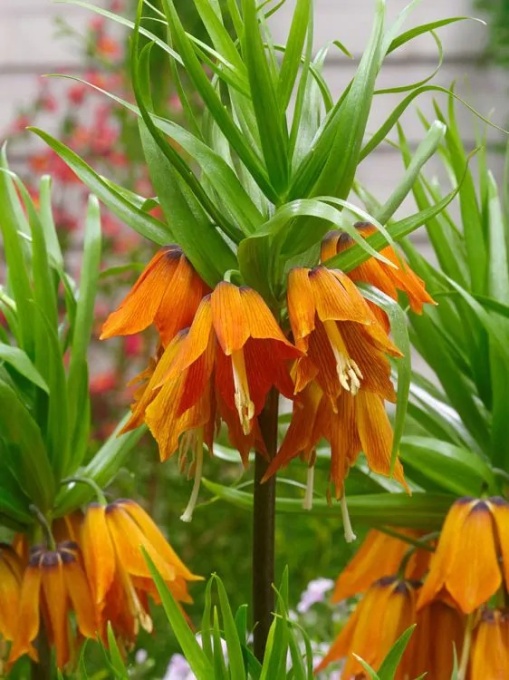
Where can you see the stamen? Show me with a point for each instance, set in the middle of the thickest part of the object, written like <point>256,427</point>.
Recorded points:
<point>243,404</point>
<point>307,503</point>
<point>187,515</point>
<point>347,525</point>
<point>349,373</point>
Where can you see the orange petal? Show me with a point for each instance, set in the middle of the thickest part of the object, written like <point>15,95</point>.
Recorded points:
<point>261,322</point>
<point>448,544</point>
<point>80,596</point>
<point>376,435</point>
<point>156,538</point>
<point>474,574</point>
<point>195,341</point>
<point>230,323</point>
<point>337,298</point>
<point>490,648</point>
<point>10,591</point>
<point>128,540</point>
<point>179,301</point>
<point>139,307</point>
<point>98,552</point>
<point>378,556</point>
<point>55,596</point>
<point>28,620</point>
<point>301,304</point>
<point>500,512</point>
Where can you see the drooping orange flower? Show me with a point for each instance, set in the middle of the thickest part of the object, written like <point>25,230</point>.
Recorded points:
<point>378,555</point>
<point>166,294</point>
<point>489,656</point>
<point>11,573</point>
<point>235,343</point>
<point>379,274</point>
<point>472,555</point>
<point>356,423</point>
<point>438,636</point>
<point>384,613</point>
<point>112,538</point>
<point>344,346</point>
<point>54,585</point>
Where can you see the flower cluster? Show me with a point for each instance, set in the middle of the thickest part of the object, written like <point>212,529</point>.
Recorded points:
<point>94,569</point>
<point>455,595</point>
<point>222,350</point>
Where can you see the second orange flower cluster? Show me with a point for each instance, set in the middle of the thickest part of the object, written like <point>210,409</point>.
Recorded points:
<point>223,350</point>
<point>95,569</point>
<point>456,596</point>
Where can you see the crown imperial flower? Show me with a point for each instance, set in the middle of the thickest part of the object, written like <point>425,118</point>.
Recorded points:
<point>166,294</point>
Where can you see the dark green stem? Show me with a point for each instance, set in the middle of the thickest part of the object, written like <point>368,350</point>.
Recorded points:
<point>42,670</point>
<point>264,514</point>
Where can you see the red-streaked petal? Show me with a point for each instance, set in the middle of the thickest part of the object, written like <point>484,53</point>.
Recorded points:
<point>337,298</point>
<point>376,436</point>
<point>195,341</point>
<point>301,303</point>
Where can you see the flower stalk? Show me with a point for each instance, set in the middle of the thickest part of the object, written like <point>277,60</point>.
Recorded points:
<point>264,519</point>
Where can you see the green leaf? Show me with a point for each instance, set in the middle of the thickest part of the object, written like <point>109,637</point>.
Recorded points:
<point>423,153</point>
<point>270,118</point>
<point>12,225</point>
<point>420,510</point>
<point>190,226</point>
<point>331,164</point>
<point>301,29</point>
<point>19,360</point>
<point>117,662</point>
<point>77,382</point>
<point>194,654</point>
<point>214,104</point>
<point>389,667</point>
<point>26,446</point>
<point>455,469</point>
<point>498,269</point>
<point>235,658</point>
<point>134,217</point>
<point>399,330</point>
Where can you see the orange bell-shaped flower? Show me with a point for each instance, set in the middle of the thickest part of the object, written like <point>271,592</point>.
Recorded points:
<point>381,554</point>
<point>489,656</point>
<point>54,585</point>
<point>389,279</point>
<point>112,538</point>
<point>166,294</point>
<point>345,348</point>
<point>472,555</point>
<point>384,613</point>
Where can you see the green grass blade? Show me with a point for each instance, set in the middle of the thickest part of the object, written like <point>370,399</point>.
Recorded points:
<point>194,654</point>
<point>235,658</point>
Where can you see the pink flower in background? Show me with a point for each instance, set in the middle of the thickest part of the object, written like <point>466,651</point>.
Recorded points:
<point>315,592</point>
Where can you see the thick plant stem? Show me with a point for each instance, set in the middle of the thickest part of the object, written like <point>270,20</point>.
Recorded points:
<point>42,670</point>
<point>264,514</point>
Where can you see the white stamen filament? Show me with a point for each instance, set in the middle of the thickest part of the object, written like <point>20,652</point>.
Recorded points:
<point>187,515</point>
<point>307,503</point>
<point>243,404</point>
<point>347,525</point>
<point>349,373</point>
